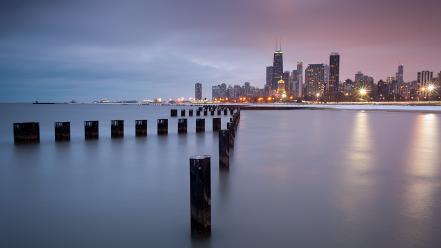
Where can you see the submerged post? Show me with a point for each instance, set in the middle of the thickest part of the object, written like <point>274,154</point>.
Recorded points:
<point>182,126</point>
<point>200,125</point>
<point>62,131</point>
<point>26,132</point>
<point>91,130</point>
<point>198,112</point>
<point>117,128</point>
<point>212,112</point>
<point>224,149</point>
<point>182,112</point>
<point>141,128</point>
<point>205,112</point>
<point>219,111</point>
<point>162,126</point>
<point>217,124</point>
<point>173,112</point>
<point>190,112</point>
<point>225,111</point>
<point>200,196</point>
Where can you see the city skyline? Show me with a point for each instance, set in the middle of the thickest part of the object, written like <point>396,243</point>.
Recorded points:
<point>86,51</point>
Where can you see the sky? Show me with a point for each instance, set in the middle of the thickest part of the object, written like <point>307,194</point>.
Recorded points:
<point>57,50</point>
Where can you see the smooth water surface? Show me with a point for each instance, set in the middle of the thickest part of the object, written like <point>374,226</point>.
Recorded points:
<point>300,178</point>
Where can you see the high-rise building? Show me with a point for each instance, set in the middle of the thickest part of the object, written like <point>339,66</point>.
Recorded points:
<point>400,74</point>
<point>285,77</point>
<point>198,91</point>
<point>293,81</point>
<point>299,87</point>
<point>334,77</point>
<point>315,80</point>
<point>424,78</point>
<point>269,76</point>
<point>277,68</point>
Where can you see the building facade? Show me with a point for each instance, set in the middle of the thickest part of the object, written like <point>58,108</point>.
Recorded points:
<point>315,80</point>
<point>198,91</point>
<point>332,89</point>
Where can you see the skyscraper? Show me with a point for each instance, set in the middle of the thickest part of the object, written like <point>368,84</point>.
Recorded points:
<point>277,68</point>
<point>285,77</point>
<point>424,79</point>
<point>334,77</point>
<point>315,80</point>
<point>198,91</point>
<point>299,88</point>
<point>269,76</point>
<point>400,74</point>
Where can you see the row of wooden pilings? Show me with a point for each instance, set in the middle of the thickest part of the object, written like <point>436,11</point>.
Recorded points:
<point>200,166</point>
<point>29,132</point>
<point>200,180</point>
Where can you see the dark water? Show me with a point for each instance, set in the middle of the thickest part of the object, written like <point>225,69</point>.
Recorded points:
<point>302,178</point>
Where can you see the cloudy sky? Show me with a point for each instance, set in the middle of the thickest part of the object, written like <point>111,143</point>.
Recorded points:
<point>60,50</point>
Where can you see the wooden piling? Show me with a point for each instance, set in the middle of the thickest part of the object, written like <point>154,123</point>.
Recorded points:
<point>62,131</point>
<point>200,196</point>
<point>26,132</point>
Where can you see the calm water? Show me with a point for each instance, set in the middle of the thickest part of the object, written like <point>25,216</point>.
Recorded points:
<point>301,178</point>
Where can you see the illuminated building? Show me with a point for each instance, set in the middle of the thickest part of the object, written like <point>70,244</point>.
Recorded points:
<point>281,89</point>
<point>286,77</point>
<point>315,80</point>
<point>269,76</point>
<point>424,79</point>
<point>277,67</point>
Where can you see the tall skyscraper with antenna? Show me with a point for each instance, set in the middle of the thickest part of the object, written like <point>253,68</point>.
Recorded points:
<point>277,66</point>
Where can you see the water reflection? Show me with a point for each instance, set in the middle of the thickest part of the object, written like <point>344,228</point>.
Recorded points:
<point>423,165</point>
<point>359,154</point>
<point>425,148</point>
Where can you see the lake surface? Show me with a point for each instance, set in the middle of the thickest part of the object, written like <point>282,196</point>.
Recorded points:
<point>300,178</point>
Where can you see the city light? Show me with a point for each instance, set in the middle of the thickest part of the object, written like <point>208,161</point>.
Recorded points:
<point>431,88</point>
<point>362,92</point>
<point>317,95</point>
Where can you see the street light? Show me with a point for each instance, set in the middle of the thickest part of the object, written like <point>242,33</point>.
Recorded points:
<point>363,92</point>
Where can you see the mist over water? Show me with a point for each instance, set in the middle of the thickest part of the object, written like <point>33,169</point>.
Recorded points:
<point>300,178</point>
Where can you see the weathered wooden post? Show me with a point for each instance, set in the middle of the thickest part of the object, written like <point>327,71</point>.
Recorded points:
<point>231,135</point>
<point>117,128</point>
<point>62,131</point>
<point>141,128</point>
<point>219,111</point>
<point>173,112</point>
<point>162,126</point>
<point>182,126</point>
<point>200,196</point>
<point>231,111</point>
<point>91,130</point>
<point>217,124</point>
<point>205,112</point>
<point>182,112</point>
<point>224,149</point>
<point>225,111</point>
<point>200,125</point>
<point>212,112</point>
<point>26,133</point>
<point>190,112</point>
<point>198,112</point>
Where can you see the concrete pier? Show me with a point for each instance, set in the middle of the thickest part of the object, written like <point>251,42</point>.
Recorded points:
<point>141,128</point>
<point>173,112</point>
<point>62,131</point>
<point>200,125</point>
<point>217,123</point>
<point>162,126</point>
<point>200,196</point>
<point>91,130</point>
<point>117,129</point>
<point>224,149</point>
<point>26,132</point>
<point>182,126</point>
